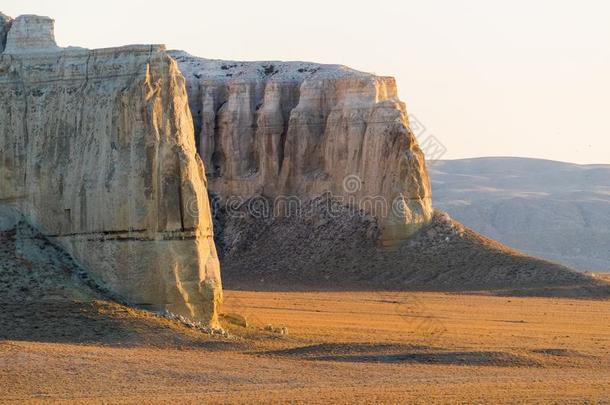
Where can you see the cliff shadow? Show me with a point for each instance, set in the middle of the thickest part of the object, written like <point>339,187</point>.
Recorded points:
<point>100,323</point>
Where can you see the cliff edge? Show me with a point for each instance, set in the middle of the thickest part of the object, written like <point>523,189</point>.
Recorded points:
<point>299,130</point>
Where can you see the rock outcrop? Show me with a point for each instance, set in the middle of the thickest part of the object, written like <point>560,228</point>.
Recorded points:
<point>97,151</point>
<point>5,25</point>
<point>295,129</point>
<point>31,33</point>
<point>299,133</point>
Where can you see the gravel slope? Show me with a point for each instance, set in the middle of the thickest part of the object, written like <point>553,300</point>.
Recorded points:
<point>334,250</point>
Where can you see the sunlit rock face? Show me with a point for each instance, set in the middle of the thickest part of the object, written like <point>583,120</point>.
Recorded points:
<point>97,151</point>
<point>303,129</point>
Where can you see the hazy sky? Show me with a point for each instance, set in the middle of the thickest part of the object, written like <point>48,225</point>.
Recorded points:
<point>511,78</point>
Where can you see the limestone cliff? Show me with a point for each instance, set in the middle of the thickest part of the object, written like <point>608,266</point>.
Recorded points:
<point>302,129</point>
<point>97,150</point>
<point>5,25</point>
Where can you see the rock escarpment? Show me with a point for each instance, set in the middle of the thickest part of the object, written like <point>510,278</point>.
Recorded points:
<point>295,129</point>
<point>97,151</point>
<point>268,130</point>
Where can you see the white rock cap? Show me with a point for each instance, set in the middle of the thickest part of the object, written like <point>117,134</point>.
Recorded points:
<point>31,33</point>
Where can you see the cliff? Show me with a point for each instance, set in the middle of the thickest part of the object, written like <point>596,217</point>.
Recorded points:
<point>301,130</point>
<point>322,140</point>
<point>5,25</point>
<point>97,151</point>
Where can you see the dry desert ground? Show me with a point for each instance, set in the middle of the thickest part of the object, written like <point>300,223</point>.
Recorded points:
<point>317,347</point>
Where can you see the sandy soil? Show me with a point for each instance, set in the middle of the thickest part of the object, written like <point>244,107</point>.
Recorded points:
<point>358,347</point>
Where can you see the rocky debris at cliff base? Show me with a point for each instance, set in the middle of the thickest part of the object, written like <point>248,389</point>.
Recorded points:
<point>189,323</point>
<point>44,297</point>
<point>279,330</point>
<point>32,269</point>
<point>235,319</point>
<point>341,252</point>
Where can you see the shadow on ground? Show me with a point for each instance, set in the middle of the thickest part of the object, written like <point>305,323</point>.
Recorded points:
<point>44,298</point>
<point>404,353</point>
<point>98,322</point>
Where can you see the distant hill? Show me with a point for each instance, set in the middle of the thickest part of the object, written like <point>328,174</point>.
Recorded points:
<point>553,210</point>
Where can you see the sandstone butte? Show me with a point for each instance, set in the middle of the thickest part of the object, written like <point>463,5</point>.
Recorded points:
<point>298,129</point>
<point>99,150</point>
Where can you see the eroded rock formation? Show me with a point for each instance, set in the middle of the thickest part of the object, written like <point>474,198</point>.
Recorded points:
<point>301,129</point>
<point>275,129</point>
<point>30,33</point>
<point>5,25</point>
<point>97,151</point>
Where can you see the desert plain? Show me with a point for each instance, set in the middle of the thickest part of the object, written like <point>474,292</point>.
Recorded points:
<point>340,347</point>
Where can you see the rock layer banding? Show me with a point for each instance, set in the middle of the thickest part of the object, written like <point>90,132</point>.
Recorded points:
<point>268,130</point>
<point>296,129</point>
<point>97,151</point>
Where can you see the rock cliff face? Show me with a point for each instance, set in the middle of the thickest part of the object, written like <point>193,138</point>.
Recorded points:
<point>30,33</point>
<point>5,25</point>
<point>97,151</point>
<point>278,129</point>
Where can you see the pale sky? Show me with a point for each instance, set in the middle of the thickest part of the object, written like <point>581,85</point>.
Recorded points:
<point>487,78</point>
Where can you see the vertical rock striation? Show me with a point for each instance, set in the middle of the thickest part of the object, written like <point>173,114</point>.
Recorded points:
<point>97,151</point>
<point>5,25</point>
<point>301,129</point>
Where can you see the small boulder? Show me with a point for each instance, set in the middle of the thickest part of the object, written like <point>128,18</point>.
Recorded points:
<point>235,319</point>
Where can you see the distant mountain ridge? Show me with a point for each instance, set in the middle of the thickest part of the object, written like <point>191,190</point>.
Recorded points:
<point>554,210</point>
